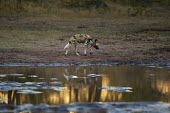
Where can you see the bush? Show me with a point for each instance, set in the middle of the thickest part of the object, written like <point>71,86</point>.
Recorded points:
<point>82,3</point>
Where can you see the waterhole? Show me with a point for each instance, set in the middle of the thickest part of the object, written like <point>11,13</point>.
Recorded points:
<point>85,89</point>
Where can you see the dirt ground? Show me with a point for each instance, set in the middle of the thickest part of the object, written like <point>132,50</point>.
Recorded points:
<point>128,40</point>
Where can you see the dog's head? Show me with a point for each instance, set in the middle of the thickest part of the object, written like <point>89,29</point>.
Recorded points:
<point>95,44</point>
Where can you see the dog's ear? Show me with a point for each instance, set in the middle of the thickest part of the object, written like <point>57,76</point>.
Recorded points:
<point>96,42</point>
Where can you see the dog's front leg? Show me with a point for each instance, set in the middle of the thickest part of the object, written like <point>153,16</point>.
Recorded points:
<point>85,51</point>
<point>76,49</point>
<point>90,50</point>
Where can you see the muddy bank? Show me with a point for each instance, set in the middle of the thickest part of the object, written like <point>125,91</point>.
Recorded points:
<point>157,64</point>
<point>40,41</point>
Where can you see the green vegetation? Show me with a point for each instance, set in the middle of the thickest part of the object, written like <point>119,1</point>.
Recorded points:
<point>84,7</point>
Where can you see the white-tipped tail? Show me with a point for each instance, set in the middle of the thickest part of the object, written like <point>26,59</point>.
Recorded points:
<point>67,46</point>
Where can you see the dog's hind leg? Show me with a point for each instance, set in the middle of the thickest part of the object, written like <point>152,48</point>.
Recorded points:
<point>67,48</point>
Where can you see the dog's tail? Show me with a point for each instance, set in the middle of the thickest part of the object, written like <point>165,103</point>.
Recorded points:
<point>67,46</point>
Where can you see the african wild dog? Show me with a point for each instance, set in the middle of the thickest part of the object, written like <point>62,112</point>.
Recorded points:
<point>82,38</point>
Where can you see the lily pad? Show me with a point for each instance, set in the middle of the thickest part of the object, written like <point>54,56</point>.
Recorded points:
<point>10,83</point>
<point>33,76</point>
<point>21,77</point>
<point>26,88</point>
<point>5,88</point>
<point>53,78</point>
<point>93,75</point>
<point>29,92</point>
<point>35,83</point>
<point>118,88</point>
<point>70,77</point>
<point>56,82</point>
<point>30,83</point>
<point>5,75</point>
<point>57,88</point>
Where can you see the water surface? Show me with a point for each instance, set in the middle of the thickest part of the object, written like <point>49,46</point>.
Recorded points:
<point>65,85</point>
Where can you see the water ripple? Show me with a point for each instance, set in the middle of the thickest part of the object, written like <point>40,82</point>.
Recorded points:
<point>113,107</point>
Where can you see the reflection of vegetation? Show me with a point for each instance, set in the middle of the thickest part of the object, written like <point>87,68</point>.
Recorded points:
<point>146,86</point>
